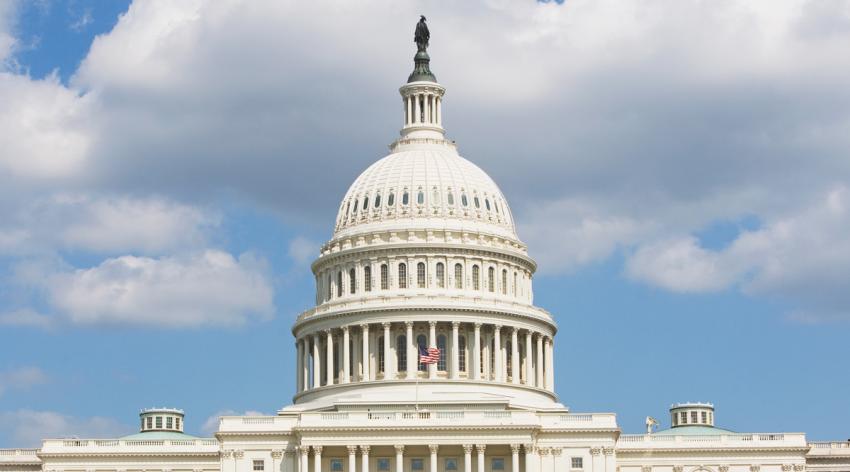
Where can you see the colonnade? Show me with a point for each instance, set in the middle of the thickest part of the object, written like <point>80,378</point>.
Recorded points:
<point>390,350</point>
<point>425,107</point>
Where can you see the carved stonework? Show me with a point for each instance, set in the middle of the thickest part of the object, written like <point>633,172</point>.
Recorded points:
<point>226,453</point>
<point>786,467</point>
<point>481,448</point>
<point>433,448</point>
<point>723,468</point>
<point>277,454</point>
<point>467,449</point>
<point>544,451</point>
<point>238,454</point>
<point>678,468</point>
<point>799,467</point>
<point>556,451</point>
<point>352,450</point>
<point>364,449</point>
<point>609,451</point>
<point>594,451</point>
<point>646,468</point>
<point>514,448</point>
<point>399,449</point>
<point>317,450</point>
<point>755,468</point>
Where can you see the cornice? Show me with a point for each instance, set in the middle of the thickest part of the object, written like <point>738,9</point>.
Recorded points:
<point>649,451</point>
<point>54,455</point>
<point>417,428</point>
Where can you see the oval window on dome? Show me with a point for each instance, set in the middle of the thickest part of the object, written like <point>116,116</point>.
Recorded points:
<point>365,203</point>
<point>347,207</point>
<point>377,200</point>
<point>487,203</point>
<point>477,202</point>
<point>463,200</point>
<point>355,206</point>
<point>391,199</point>
<point>436,198</point>
<point>450,198</point>
<point>420,197</point>
<point>405,198</point>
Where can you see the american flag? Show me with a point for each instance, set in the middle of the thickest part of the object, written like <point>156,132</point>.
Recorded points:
<point>429,355</point>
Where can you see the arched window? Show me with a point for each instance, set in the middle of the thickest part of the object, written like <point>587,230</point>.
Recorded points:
<point>458,276</point>
<point>385,277</point>
<point>352,281</point>
<point>405,198</point>
<point>367,278</point>
<point>421,343</point>
<point>377,201</point>
<point>355,206</point>
<point>339,284</point>
<point>365,203</point>
<point>514,288</point>
<point>491,275</point>
<point>487,203</point>
<point>509,355</point>
<point>463,200</point>
<point>380,353</point>
<point>401,352</point>
<point>441,345</point>
<point>477,202</point>
<point>420,275</point>
<point>391,200</point>
<point>461,353</point>
<point>420,197</point>
<point>402,275</point>
<point>441,275</point>
<point>504,282</point>
<point>476,281</point>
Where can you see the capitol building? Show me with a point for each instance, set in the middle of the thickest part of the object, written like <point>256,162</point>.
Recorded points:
<point>425,256</point>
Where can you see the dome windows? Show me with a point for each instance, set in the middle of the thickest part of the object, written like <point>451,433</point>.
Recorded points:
<point>441,275</point>
<point>477,202</point>
<point>463,200</point>
<point>420,197</point>
<point>458,276</point>
<point>487,204</point>
<point>391,199</point>
<point>450,197</point>
<point>378,200</point>
<point>420,275</point>
<point>476,278</point>
<point>402,275</point>
<point>356,201</point>
<point>405,198</point>
<point>366,203</point>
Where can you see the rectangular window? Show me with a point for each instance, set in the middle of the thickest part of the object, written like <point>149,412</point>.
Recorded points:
<point>451,463</point>
<point>577,463</point>
<point>417,464</point>
<point>176,423</point>
<point>497,463</point>
<point>704,417</point>
<point>683,417</point>
<point>694,417</point>
<point>150,422</point>
<point>158,422</point>
<point>336,465</point>
<point>383,464</point>
<point>367,278</point>
<point>420,275</point>
<point>168,422</point>
<point>441,275</point>
<point>259,465</point>
<point>402,275</point>
<point>385,277</point>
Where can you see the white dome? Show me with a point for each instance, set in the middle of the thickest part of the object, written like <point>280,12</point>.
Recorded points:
<point>424,187</point>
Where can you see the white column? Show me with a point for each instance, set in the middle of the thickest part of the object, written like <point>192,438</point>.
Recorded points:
<point>610,460</point>
<point>352,459</point>
<point>550,371</point>
<point>528,373</point>
<point>399,458</point>
<point>305,363</point>
<point>412,351</point>
<point>416,114</point>
<point>364,353</point>
<point>432,448</point>
<point>479,448</point>
<point>346,356</point>
<point>514,457</point>
<point>305,458</point>
<point>597,463</point>
<point>317,458</point>
<point>364,458</point>
<point>389,359</point>
<point>407,112</point>
<point>530,453</point>
<point>432,342</point>
<point>329,358</point>
<point>543,459</point>
<point>317,363</point>
<point>476,353</point>
<point>467,458</point>
<point>515,357</point>
<point>497,346</point>
<point>299,370</point>
<point>440,111</point>
<point>486,358</point>
<point>538,367</point>
<point>455,349</point>
<point>556,458</point>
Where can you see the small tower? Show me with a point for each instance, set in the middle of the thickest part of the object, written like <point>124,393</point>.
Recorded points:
<point>161,419</point>
<point>691,414</point>
<point>422,95</point>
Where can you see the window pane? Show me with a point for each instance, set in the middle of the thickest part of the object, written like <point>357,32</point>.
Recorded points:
<point>402,275</point>
<point>420,197</point>
<point>352,280</point>
<point>441,275</point>
<point>383,464</point>
<point>504,282</point>
<point>378,200</point>
<point>491,274</point>
<point>498,463</point>
<point>441,345</point>
<point>385,277</point>
<point>577,463</point>
<point>420,275</point>
<point>339,284</point>
<point>401,352</point>
<point>336,465</point>
<point>380,354</point>
<point>475,278</point>
<point>458,276</point>
<point>461,353</point>
<point>367,278</point>
<point>391,200</point>
<point>259,465</point>
<point>405,198</point>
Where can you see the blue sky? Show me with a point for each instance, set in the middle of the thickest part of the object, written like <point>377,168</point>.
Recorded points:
<point>688,207</point>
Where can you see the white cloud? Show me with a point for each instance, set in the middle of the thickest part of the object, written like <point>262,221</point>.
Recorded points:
<point>8,12</point>
<point>21,378</point>
<point>25,317</point>
<point>303,250</point>
<point>29,427</point>
<point>210,425</point>
<point>209,288</point>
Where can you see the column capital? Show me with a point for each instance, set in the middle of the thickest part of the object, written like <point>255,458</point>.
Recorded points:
<point>329,331</point>
<point>225,453</point>
<point>514,330</point>
<point>238,454</point>
<point>480,448</point>
<point>304,450</point>
<point>317,450</point>
<point>386,324</point>
<point>277,454</point>
<point>497,328</point>
<point>721,468</point>
<point>678,468</point>
<point>477,326</point>
<point>467,448</point>
<point>595,450</point>
<point>455,324</point>
<point>408,324</point>
<point>432,324</point>
<point>514,448</point>
<point>351,450</point>
<point>399,449</point>
<point>556,451</point>
<point>364,449</point>
<point>364,326</point>
<point>608,451</point>
<point>345,328</point>
<point>529,448</point>
<point>543,451</point>
<point>648,468</point>
<point>433,448</point>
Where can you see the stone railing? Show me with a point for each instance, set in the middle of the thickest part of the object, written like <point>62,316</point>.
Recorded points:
<point>640,441</point>
<point>378,301</point>
<point>129,445</point>
<point>256,423</point>
<point>457,417</point>
<point>19,456</point>
<point>829,448</point>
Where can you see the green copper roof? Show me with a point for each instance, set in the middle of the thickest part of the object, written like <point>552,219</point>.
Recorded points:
<point>156,435</point>
<point>693,431</point>
<point>421,68</point>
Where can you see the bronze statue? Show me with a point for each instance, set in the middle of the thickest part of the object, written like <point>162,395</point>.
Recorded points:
<point>422,35</point>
